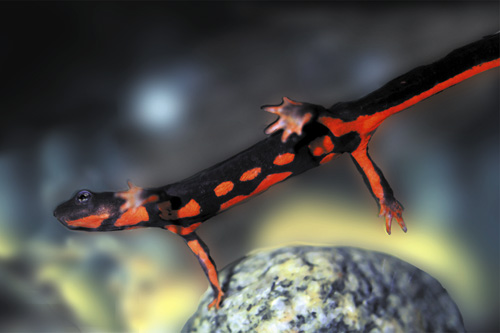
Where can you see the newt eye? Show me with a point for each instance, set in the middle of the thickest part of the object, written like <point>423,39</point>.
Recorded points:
<point>83,197</point>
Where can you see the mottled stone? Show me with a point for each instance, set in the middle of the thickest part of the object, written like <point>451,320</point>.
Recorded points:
<point>327,289</point>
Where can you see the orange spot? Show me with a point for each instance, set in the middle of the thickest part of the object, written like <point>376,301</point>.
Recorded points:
<point>176,229</point>
<point>327,158</point>
<point>250,174</point>
<point>283,159</point>
<point>152,198</point>
<point>92,221</point>
<point>264,185</point>
<point>368,123</point>
<point>223,188</point>
<point>321,146</point>
<point>190,229</point>
<point>132,216</point>
<point>192,208</point>
<point>173,228</point>
<point>210,271</point>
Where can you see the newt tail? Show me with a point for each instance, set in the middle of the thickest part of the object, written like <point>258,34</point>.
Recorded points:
<point>304,136</point>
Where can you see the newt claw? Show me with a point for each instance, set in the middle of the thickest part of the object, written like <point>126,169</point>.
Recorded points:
<point>390,211</point>
<point>217,301</point>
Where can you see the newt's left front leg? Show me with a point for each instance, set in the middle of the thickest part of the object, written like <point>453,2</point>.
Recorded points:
<point>200,250</point>
<point>389,207</point>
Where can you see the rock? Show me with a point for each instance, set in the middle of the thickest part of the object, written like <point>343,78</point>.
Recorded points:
<point>327,289</point>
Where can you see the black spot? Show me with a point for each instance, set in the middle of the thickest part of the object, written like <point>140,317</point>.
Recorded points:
<point>176,203</point>
<point>346,143</point>
<point>286,283</point>
<point>338,285</point>
<point>301,288</point>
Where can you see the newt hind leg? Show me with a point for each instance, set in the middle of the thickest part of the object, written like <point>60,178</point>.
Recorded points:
<point>390,208</point>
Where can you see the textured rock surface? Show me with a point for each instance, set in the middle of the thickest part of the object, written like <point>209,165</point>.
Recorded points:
<point>325,289</point>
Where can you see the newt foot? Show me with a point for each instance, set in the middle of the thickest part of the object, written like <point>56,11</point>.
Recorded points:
<point>217,300</point>
<point>390,211</point>
<point>292,118</point>
<point>134,198</point>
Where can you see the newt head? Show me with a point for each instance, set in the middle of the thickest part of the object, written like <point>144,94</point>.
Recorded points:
<point>88,210</point>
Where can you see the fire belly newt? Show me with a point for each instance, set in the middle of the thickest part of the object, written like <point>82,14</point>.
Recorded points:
<point>303,137</point>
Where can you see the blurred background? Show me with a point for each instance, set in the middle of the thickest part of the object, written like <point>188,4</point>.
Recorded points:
<point>95,94</point>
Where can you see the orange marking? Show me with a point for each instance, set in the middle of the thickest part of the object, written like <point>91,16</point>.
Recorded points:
<point>190,229</point>
<point>176,229</point>
<point>132,228</point>
<point>250,174</point>
<point>173,228</point>
<point>133,216</point>
<point>192,208</point>
<point>233,201</point>
<point>321,146</point>
<point>151,198</point>
<point>264,185</point>
<point>368,123</point>
<point>92,221</point>
<point>223,188</point>
<point>210,270</point>
<point>328,158</point>
<point>283,159</point>
<point>373,178</point>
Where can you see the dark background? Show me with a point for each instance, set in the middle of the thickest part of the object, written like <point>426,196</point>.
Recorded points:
<point>94,94</point>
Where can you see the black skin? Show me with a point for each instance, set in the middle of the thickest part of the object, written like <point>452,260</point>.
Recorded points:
<point>420,79</point>
<point>200,186</point>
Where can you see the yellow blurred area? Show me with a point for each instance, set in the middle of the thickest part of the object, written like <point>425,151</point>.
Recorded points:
<point>143,296</point>
<point>82,296</point>
<point>318,220</point>
<point>8,244</point>
<point>155,301</point>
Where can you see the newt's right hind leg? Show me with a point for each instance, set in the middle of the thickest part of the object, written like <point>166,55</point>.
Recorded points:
<point>390,208</point>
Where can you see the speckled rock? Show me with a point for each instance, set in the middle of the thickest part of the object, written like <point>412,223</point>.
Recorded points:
<point>327,289</point>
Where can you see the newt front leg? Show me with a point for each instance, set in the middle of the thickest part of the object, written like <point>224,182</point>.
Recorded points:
<point>201,252</point>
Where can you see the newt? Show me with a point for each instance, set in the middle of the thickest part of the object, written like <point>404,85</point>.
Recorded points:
<point>304,136</point>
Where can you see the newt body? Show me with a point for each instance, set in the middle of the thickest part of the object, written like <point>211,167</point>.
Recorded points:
<point>304,136</point>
